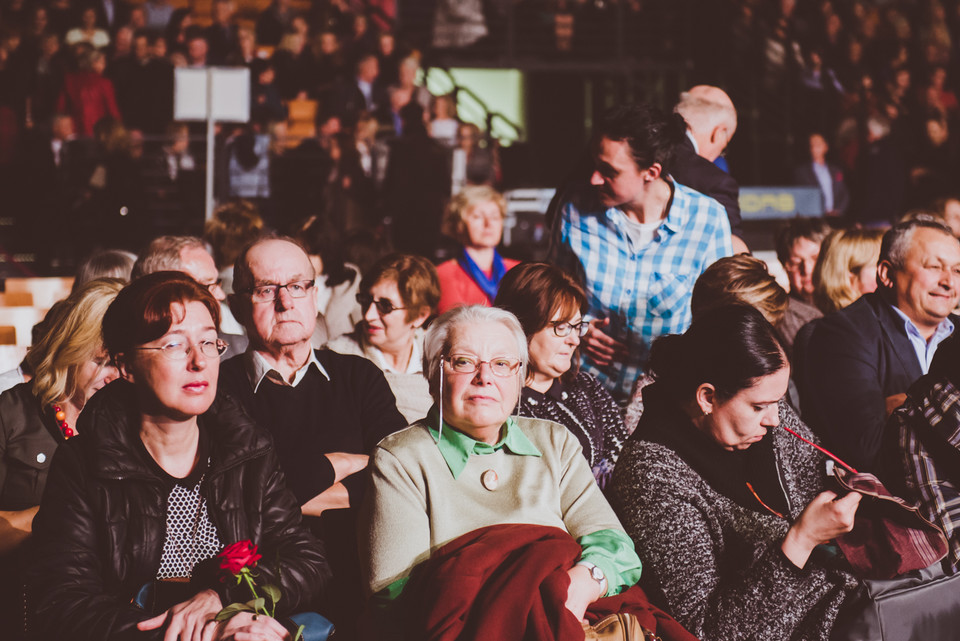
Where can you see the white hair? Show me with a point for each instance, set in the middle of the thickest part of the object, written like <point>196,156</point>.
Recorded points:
<point>703,114</point>
<point>441,331</point>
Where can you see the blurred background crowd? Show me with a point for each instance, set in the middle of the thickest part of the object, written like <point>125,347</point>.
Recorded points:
<point>344,126</point>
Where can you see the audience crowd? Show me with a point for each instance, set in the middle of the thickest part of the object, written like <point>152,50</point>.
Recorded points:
<point>426,439</point>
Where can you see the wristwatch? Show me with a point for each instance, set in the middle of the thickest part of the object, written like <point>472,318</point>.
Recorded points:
<point>597,575</point>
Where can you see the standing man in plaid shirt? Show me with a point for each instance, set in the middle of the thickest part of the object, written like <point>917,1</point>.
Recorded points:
<point>638,240</point>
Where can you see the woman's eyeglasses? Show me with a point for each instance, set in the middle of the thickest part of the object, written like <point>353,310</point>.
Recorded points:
<point>384,305</point>
<point>269,293</point>
<point>469,365</point>
<point>179,351</point>
<point>563,328</point>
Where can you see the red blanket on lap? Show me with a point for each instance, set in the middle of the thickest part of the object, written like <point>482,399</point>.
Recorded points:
<point>509,582</point>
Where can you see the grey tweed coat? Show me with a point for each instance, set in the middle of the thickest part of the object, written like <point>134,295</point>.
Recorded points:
<point>718,564</point>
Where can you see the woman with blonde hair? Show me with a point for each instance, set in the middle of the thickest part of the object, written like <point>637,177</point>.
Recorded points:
<point>741,279</point>
<point>846,268</point>
<point>69,365</point>
<point>474,217</point>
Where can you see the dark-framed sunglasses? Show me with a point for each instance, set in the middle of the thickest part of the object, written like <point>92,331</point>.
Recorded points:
<point>384,305</point>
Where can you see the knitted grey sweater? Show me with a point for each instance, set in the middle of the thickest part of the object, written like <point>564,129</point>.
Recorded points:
<point>719,564</point>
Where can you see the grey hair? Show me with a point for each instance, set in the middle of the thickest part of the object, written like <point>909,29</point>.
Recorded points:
<point>702,114</point>
<point>896,242</point>
<point>438,337</point>
<point>163,254</point>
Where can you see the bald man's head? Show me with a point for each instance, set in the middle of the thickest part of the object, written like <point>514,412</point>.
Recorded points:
<point>711,118</point>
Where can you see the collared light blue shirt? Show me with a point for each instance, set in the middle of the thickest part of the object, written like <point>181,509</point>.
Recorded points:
<point>258,369</point>
<point>366,88</point>
<point>925,349</point>
<point>644,291</point>
<point>822,172</point>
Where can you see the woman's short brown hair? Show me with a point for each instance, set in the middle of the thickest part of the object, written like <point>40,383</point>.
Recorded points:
<point>741,279</point>
<point>535,293</point>
<point>455,216</point>
<point>416,280</point>
<point>143,310</point>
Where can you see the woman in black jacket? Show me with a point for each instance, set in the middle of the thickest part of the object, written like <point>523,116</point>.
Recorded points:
<point>165,474</point>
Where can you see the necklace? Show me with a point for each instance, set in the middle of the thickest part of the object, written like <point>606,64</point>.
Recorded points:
<point>61,418</point>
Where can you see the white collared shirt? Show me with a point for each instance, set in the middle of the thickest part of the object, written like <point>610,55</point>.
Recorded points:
<point>925,349</point>
<point>258,369</point>
<point>366,88</point>
<point>822,173</point>
<point>414,365</point>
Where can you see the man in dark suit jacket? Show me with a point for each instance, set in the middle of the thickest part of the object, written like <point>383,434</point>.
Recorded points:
<point>711,122</point>
<point>826,177</point>
<point>360,93</point>
<point>858,362</point>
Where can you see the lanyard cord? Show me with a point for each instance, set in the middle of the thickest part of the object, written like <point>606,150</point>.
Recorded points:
<point>824,450</point>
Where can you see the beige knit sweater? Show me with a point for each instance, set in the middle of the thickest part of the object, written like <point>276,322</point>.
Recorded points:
<point>414,505</point>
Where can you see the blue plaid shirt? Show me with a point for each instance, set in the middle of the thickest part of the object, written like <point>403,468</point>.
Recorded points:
<point>645,292</point>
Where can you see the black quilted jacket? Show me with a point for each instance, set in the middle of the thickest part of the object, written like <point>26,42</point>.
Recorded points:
<point>99,534</point>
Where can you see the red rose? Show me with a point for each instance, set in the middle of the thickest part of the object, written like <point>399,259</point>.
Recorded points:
<point>235,557</point>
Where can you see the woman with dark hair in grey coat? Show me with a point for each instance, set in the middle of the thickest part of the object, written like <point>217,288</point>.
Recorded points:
<point>728,510</point>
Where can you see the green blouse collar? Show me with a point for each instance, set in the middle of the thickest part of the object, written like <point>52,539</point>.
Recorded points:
<point>456,448</point>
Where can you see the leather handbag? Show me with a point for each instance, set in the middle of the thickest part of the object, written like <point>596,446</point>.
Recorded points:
<point>922,604</point>
<point>890,537</point>
<point>618,627</point>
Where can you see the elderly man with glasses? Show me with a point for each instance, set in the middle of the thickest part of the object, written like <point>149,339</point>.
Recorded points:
<point>326,410</point>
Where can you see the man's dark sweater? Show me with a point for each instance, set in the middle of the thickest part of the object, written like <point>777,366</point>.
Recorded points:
<point>349,413</point>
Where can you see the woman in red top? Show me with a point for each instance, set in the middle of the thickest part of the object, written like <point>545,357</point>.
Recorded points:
<point>87,96</point>
<point>475,218</point>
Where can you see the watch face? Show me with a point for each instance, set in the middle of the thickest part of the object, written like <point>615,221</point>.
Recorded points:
<point>596,573</point>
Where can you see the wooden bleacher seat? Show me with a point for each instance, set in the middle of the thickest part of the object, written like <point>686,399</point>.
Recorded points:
<point>22,319</point>
<point>11,356</point>
<point>16,299</point>
<point>46,291</point>
<point>8,335</point>
<point>301,121</point>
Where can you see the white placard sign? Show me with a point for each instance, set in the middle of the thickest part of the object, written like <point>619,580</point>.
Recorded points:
<point>231,94</point>
<point>230,89</point>
<point>211,94</point>
<point>190,94</point>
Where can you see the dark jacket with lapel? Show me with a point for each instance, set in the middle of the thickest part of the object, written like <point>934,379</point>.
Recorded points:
<point>804,176</point>
<point>853,359</point>
<point>696,172</point>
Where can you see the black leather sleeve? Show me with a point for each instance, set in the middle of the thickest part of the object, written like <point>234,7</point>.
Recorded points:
<point>67,597</point>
